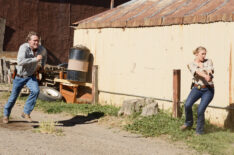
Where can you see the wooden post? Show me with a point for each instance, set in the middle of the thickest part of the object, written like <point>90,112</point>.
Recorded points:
<point>112,4</point>
<point>176,93</point>
<point>61,76</point>
<point>95,84</point>
<point>5,71</point>
<point>1,71</point>
<point>8,71</point>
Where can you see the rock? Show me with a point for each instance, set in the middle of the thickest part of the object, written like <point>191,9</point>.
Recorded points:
<point>131,106</point>
<point>148,106</point>
<point>150,109</point>
<point>139,105</point>
<point>149,100</point>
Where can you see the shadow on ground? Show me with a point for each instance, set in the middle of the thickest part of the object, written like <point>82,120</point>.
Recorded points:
<point>229,122</point>
<point>79,119</point>
<point>17,125</point>
<point>210,128</point>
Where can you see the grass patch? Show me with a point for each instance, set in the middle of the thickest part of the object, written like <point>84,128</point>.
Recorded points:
<point>156,125</point>
<point>74,109</point>
<point>216,141</point>
<point>1,112</point>
<point>5,95</point>
<point>49,127</point>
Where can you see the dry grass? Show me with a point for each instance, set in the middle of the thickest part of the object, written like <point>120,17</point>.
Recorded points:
<point>113,121</point>
<point>2,102</point>
<point>1,111</point>
<point>5,95</point>
<point>49,127</point>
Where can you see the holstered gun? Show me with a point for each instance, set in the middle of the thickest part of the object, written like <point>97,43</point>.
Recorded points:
<point>192,84</point>
<point>39,70</point>
<point>14,73</point>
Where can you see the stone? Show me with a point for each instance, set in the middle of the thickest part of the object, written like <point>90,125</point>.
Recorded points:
<point>150,109</point>
<point>131,106</point>
<point>148,106</point>
<point>149,100</point>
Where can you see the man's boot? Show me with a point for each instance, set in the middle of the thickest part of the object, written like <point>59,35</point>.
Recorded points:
<point>5,120</point>
<point>27,117</point>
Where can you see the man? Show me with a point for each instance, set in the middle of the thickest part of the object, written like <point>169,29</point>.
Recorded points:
<point>30,55</point>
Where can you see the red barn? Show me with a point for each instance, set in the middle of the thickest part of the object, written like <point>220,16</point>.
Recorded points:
<point>51,19</point>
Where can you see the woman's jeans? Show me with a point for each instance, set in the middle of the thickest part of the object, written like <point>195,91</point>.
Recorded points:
<point>18,84</point>
<point>206,95</point>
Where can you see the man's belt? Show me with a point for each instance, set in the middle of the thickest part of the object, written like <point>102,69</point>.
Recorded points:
<point>21,76</point>
<point>198,86</point>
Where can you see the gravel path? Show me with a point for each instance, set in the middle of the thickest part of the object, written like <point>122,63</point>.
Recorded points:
<point>82,135</point>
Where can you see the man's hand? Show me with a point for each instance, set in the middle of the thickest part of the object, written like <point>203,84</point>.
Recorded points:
<point>39,57</point>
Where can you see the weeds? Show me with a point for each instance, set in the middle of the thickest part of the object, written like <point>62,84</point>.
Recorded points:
<point>74,109</point>
<point>5,95</point>
<point>216,141</point>
<point>1,111</point>
<point>49,127</point>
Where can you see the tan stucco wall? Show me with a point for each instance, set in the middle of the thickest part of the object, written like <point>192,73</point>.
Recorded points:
<point>140,61</point>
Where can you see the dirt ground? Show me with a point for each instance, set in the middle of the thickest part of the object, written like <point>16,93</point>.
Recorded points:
<point>81,135</point>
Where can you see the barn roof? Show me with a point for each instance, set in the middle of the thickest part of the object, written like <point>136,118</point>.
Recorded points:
<point>142,13</point>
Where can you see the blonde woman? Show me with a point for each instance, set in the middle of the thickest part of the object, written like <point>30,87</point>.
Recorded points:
<point>203,87</point>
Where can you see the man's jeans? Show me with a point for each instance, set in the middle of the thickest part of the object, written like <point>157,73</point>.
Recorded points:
<point>206,95</point>
<point>18,84</point>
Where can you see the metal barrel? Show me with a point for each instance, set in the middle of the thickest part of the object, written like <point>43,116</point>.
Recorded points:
<point>78,63</point>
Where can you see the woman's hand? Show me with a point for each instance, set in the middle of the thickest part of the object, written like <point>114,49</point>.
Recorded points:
<point>208,78</point>
<point>205,75</point>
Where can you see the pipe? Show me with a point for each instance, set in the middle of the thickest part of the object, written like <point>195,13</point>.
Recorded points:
<point>134,95</point>
<point>112,4</point>
<point>159,99</point>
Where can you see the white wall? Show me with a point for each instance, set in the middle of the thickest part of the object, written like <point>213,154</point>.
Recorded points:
<point>140,61</point>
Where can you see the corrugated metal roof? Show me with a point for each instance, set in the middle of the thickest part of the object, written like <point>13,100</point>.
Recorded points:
<point>140,13</point>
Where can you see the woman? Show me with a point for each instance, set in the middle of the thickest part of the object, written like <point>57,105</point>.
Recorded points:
<point>203,87</point>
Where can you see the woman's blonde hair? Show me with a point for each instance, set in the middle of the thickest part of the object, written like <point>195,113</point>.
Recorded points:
<point>199,48</point>
<point>30,34</point>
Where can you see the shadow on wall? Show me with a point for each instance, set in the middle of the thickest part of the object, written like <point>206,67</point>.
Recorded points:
<point>89,73</point>
<point>229,122</point>
<point>52,59</point>
<point>7,36</point>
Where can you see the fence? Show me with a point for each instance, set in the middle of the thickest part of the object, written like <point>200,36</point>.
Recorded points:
<point>7,67</point>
